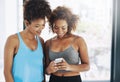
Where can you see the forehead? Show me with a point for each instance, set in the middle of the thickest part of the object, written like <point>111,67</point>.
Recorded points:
<point>38,21</point>
<point>60,22</point>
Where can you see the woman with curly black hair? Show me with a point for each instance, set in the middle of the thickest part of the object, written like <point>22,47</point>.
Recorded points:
<point>23,53</point>
<point>65,51</point>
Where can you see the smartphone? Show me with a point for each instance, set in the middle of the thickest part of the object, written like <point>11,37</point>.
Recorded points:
<point>58,60</point>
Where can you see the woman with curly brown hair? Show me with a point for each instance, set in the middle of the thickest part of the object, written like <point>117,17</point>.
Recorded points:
<point>65,51</point>
<point>23,53</point>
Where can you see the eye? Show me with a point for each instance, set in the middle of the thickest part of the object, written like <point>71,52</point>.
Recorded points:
<point>43,25</point>
<point>56,27</point>
<point>63,28</point>
<point>37,26</point>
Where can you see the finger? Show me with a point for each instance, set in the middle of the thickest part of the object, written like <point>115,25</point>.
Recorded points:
<point>63,60</point>
<point>55,69</point>
<point>62,67</point>
<point>59,67</point>
<point>58,64</point>
<point>61,63</point>
<point>53,64</point>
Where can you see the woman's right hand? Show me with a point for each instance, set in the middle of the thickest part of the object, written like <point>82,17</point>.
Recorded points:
<point>52,67</point>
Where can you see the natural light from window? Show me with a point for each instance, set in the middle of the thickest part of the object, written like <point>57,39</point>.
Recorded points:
<point>95,27</point>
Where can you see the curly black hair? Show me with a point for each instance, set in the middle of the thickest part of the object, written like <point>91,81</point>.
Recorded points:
<point>64,13</point>
<point>35,9</point>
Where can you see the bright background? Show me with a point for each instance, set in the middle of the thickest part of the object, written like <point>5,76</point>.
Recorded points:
<point>95,27</point>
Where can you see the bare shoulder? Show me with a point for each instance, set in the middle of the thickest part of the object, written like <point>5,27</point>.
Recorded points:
<point>12,39</point>
<point>47,43</point>
<point>79,39</point>
<point>12,44</point>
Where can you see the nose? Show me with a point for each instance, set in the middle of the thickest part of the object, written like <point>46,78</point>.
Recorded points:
<point>59,30</point>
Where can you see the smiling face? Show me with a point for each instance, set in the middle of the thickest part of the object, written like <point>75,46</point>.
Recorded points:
<point>36,26</point>
<point>60,27</point>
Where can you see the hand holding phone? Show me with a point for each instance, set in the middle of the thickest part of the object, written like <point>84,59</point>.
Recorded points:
<point>58,60</point>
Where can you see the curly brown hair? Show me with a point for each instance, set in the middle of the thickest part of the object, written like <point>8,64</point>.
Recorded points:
<point>35,9</point>
<point>64,13</point>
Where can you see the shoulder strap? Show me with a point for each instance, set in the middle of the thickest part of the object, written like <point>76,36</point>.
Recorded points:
<point>50,43</point>
<point>38,40</point>
<point>19,37</point>
<point>39,45</point>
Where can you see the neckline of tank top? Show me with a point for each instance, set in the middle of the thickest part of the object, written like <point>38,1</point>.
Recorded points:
<point>27,46</point>
<point>67,49</point>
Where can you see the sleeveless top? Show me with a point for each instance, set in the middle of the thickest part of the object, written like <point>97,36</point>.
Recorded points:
<point>70,55</point>
<point>28,64</point>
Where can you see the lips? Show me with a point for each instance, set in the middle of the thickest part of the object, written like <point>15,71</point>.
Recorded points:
<point>39,32</point>
<point>60,35</point>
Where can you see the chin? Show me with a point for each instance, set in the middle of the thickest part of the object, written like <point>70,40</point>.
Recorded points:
<point>61,36</point>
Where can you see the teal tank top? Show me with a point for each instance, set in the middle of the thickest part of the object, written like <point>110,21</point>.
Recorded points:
<point>28,64</point>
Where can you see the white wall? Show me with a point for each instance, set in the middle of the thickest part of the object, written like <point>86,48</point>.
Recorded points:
<point>2,23</point>
<point>2,39</point>
<point>10,12</point>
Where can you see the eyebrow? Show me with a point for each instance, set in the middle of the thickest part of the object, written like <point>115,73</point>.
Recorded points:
<point>37,24</point>
<point>40,24</point>
<point>62,26</point>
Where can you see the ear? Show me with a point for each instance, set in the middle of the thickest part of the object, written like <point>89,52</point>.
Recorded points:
<point>26,23</point>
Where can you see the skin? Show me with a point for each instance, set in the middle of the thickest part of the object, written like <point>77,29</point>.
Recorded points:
<point>64,40</point>
<point>12,44</point>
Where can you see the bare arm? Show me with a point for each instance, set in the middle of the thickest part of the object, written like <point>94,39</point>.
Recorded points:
<point>42,42</point>
<point>83,54</point>
<point>46,50</point>
<point>50,65</point>
<point>9,52</point>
